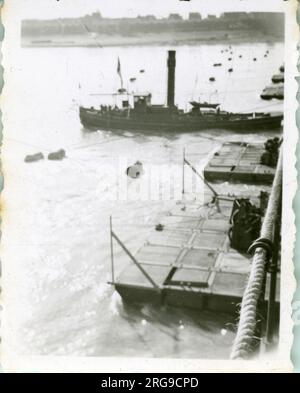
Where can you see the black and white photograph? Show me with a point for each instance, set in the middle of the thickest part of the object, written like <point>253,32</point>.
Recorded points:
<point>148,157</point>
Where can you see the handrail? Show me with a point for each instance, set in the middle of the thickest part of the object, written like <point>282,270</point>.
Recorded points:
<point>201,177</point>
<point>245,337</point>
<point>113,235</point>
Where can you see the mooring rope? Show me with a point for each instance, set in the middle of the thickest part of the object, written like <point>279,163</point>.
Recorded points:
<point>245,337</point>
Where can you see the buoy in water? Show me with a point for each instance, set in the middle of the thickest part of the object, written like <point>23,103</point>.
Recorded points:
<point>57,156</point>
<point>135,171</point>
<point>34,157</point>
<point>159,227</point>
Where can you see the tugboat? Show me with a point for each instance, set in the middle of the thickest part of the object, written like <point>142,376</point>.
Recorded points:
<point>145,117</point>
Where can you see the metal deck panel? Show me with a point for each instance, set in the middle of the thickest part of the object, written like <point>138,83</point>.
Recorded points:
<point>158,254</point>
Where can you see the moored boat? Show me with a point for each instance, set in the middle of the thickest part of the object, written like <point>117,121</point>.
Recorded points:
<point>177,122</point>
<point>144,116</point>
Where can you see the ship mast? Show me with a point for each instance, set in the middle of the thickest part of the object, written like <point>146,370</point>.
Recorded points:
<point>120,73</point>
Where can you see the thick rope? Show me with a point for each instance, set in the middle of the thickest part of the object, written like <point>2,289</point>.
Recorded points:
<point>245,337</point>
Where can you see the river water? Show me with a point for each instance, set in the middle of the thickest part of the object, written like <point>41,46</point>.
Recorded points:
<point>67,307</point>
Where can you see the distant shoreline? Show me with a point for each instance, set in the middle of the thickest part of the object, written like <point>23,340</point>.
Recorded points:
<point>217,37</point>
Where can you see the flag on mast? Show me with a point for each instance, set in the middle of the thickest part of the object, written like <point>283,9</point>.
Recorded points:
<point>119,72</point>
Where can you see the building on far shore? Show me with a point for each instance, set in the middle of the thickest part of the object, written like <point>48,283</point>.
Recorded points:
<point>211,17</point>
<point>260,23</point>
<point>235,15</point>
<point>195,16</point>
<point>175,17</point>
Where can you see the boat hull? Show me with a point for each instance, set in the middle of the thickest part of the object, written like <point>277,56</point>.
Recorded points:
<point>93,119</point>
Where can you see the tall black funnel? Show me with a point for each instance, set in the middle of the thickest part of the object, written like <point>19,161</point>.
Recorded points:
<point>171,77</point>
